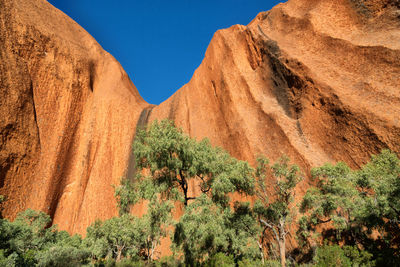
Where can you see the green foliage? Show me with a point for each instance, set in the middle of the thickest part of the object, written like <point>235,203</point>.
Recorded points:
<point>28,241</point>
<point>335,199</point>
<point>30,232</point>
<point>334,255</point>
<point>276,215</point>
<point>126,194</point>
<point>360,210</point>
<point>168,261</point>
<point>130,263</point>
<point>168,163</point>
<point>60,256</point>
<point>285,178</point>
<point>115,238</point>
<point>11,260</point>
<point>174,160</point>
<point>156,221</point>
<point>328,256</point>
<point>359,207</point>
<point>256,263</point>
<point>379,181</point>
<point>130,236</point>
<point>358,257</point>
<point>220,260</point>
<point>24,237</point>
<point>206,229</point>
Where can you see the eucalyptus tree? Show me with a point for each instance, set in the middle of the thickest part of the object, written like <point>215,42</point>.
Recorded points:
<point>206,229</point>
<point>115,238</point>
<point>172,167</point>
<point>359,207</point>
<point>275,205</point>
<point>176,163</point>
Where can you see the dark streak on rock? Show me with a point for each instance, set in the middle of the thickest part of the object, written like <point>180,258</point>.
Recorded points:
<point>141,124</point>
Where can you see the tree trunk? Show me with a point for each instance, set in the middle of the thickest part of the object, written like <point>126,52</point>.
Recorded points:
<point>282,251</point>
<point>152,250</point>
<point>119,254</point>
<point>261,252</point>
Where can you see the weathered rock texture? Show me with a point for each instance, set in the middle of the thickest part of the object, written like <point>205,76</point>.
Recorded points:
<point>316,80</point>
<point>68,116</point>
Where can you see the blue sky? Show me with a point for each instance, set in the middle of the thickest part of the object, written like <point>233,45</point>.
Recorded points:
<point>159,43</point>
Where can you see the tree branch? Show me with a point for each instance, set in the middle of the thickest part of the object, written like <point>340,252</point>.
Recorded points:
<point>271,226</point>
<point>322,221</point>
<point>394,209</point>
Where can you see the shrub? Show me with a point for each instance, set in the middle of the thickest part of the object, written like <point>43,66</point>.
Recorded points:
<point>220,260</point>
<point>328,256</point>
<point>60,256</point>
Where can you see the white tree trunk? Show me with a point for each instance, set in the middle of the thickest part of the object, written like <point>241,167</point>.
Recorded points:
<point>282,251</point>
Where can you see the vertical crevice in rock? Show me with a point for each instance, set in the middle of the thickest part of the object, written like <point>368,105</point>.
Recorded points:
<point>91,75</point>
<point>34,112</point>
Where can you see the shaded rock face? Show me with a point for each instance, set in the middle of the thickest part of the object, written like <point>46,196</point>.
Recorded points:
<point>316,80</point>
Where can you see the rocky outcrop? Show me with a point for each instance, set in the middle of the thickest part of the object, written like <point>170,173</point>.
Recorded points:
<point>316,80</point>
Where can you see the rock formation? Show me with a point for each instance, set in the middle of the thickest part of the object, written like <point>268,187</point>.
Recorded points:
<point>316,80</point>
<point>68,117</point>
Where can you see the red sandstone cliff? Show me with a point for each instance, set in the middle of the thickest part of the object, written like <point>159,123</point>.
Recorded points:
<point>316,80</point>
<point>68,116</point>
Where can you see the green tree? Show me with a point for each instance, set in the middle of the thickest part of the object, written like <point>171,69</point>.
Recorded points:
<point>66,250</point>
<point>115,238</point>
<point>176,162</point>
<point>27,235</point>
<point>157,221</point>
<point>60,255</point>
<point>328,256</point>
<point>276,214</point>
<point>169,166</point>
<point>379,184</point>
<point>206,229</point>
<point>334,255</point>
<point>158,218</point>
<point>334,200</point>
<point>30,241</point>
<point>354,205</point>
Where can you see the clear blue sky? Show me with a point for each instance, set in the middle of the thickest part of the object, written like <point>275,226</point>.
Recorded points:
<point>159,43</point>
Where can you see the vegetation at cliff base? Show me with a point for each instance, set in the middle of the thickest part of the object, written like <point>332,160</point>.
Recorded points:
<point>360,208</point>
<point>188,189</point>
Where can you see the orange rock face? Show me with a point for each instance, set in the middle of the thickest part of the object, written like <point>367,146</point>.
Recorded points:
<point>316,80</point>
<point>68,116</point>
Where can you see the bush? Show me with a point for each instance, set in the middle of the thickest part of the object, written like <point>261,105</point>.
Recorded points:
<point>130,263</point>
<point>272,263</point>
<point>168,261</point>
<point>62,257</point>
<point>328,256</point>
<point>254,263</point>
<point>357,257</point>
<point>220,260</point>
<point>8,261</point>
